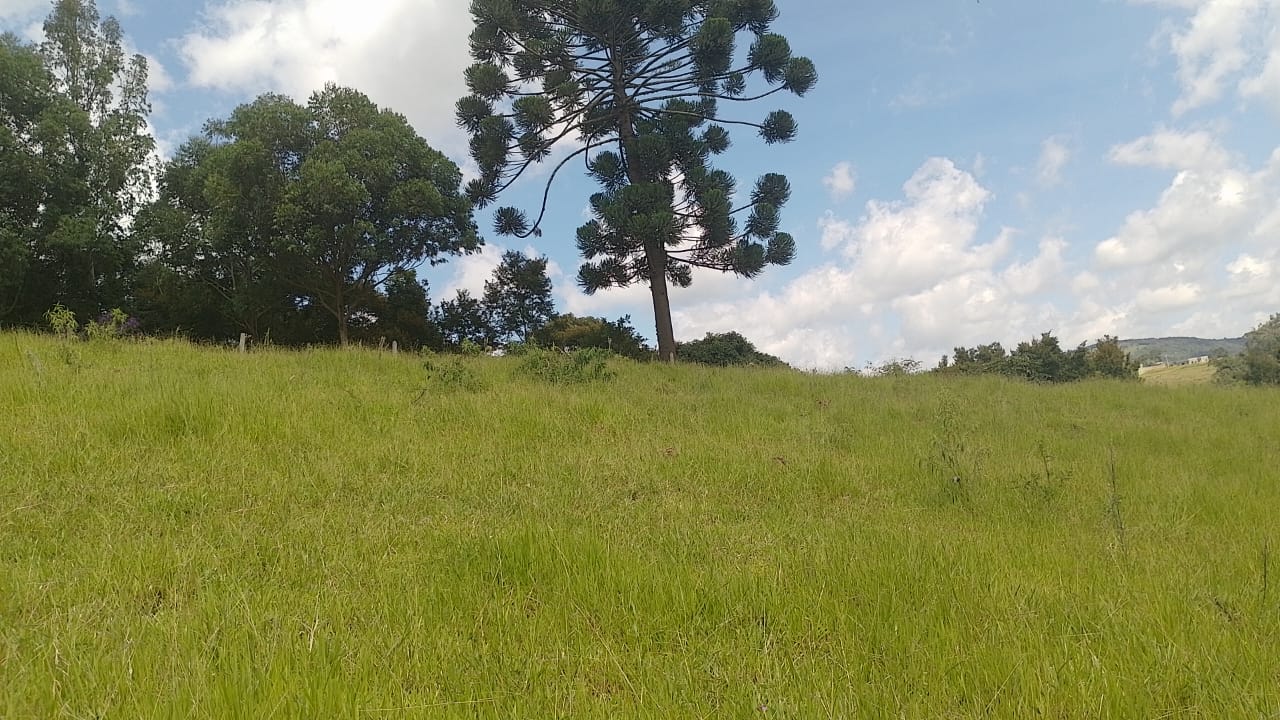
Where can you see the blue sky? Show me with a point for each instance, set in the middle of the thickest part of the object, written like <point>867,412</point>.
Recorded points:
<point>965,171</point>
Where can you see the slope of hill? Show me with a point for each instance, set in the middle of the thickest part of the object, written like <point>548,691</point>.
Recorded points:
<point>1179,349</point>
<point>1179,374</point>
<point>188,531</point>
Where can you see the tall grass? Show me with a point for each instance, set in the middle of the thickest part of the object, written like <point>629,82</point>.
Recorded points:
<point>189,532</point>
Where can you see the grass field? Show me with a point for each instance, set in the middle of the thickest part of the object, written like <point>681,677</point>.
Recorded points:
<point>1178,375</point>
<point>188,532</point>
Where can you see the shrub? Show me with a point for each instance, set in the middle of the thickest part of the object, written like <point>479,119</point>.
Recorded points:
<point>62,321</point>
<point>580,366</point>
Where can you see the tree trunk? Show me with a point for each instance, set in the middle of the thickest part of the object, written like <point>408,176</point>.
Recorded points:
<point>655,250</point>
<point>340,310</point>
<point>657,258</point>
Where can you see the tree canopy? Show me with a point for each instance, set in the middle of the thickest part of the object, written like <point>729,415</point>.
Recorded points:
<point>636,87</point>
<point>283,205</point>
<point>77,164</point>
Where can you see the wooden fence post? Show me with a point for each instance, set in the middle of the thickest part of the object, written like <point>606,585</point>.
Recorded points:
<point>244,342</point>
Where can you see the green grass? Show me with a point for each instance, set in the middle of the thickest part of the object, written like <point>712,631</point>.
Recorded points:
<point>1178,375</point>
<point>189,532</point>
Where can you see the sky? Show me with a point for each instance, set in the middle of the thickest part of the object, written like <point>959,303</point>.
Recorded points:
<point>965,172</point>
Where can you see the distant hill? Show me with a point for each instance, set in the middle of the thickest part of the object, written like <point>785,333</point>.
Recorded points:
<point>1178,349</point>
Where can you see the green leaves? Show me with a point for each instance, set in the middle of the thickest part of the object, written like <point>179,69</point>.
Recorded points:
<point>800,76</point>
<point>771,54</point>
<point>487,81</point>
<point>472,112</point>
<point>779,127</point>
<point>510,221</point>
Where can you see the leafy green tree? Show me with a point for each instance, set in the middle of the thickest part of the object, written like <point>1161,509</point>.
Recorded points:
<point>640,84</point>
<point>370,198</point>
<point>1260,362</point>
<point>518,298</point>
<point>282,209</point>
<point>979,360</point>
<point>404,314</point>
<point>103,169</point>
<point>463,318</point>
<point>571,331</point>
<point>76,149</point>
<point>1108,359</point>
<point>26,96</point>
<point>1043,360</point>
<point>726,349</point>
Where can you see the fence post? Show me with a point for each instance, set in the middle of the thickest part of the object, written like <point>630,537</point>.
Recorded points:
<point>395,347</point>
<point>244,342</point>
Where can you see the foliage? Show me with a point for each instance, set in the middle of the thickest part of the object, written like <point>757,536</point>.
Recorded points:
<point>1107,358</point>
<point>617,336</point>
<point>111,325</point>
<point>282,207</point>
<point>725,349</point>
<point>571,367</point>
<point>894,367</point>
<point>452,375</point>
<point>1259,364</point>
<point>642,84</point>
<point>463,320</point>
<point>62,321</point>
<point>517,299</point>
<point>404,314</point>
<point>1042,359</point>
<point>77,153</point>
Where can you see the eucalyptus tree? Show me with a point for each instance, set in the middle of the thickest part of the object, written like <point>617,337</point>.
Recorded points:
<point>634,88</point>
<point>78,160</point>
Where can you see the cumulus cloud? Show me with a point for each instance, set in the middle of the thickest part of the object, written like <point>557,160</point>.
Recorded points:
<point>841,181</point>
<point>911,276</point>
<point>1225,45</point>
<point>408,55</point>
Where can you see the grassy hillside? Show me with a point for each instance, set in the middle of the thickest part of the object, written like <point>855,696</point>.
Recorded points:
<point>1179,349</point>
<point>196,533</point>
<point>1177,375</point>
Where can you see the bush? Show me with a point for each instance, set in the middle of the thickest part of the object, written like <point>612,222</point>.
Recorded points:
<point>452,375</point>
<point>62,321</point>
<point>580,366</point>
<point>111,325</point>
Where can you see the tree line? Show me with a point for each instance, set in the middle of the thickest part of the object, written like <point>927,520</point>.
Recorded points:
<point>307,221</point>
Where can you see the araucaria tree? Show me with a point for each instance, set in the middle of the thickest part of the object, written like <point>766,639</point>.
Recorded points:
<point>636,87</point>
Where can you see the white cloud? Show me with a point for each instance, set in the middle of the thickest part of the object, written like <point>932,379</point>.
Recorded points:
<point>22,9</point>
<point>1201,210</point>
<point>835,231</point>
<point>1172,297</point>
<point>1175,150</point>
<point>841,181</point>
<point>1225,43</point>
<point>1054,156</point>
<point>408,55</point>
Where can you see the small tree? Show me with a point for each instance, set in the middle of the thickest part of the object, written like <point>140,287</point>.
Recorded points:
<point>463,319</point>
<point>572,331</point>
<point>518,298</point>
<point>726,349</point>
<point>1108,359</point>
<point>1260,362</point>
<point>405,313</point>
